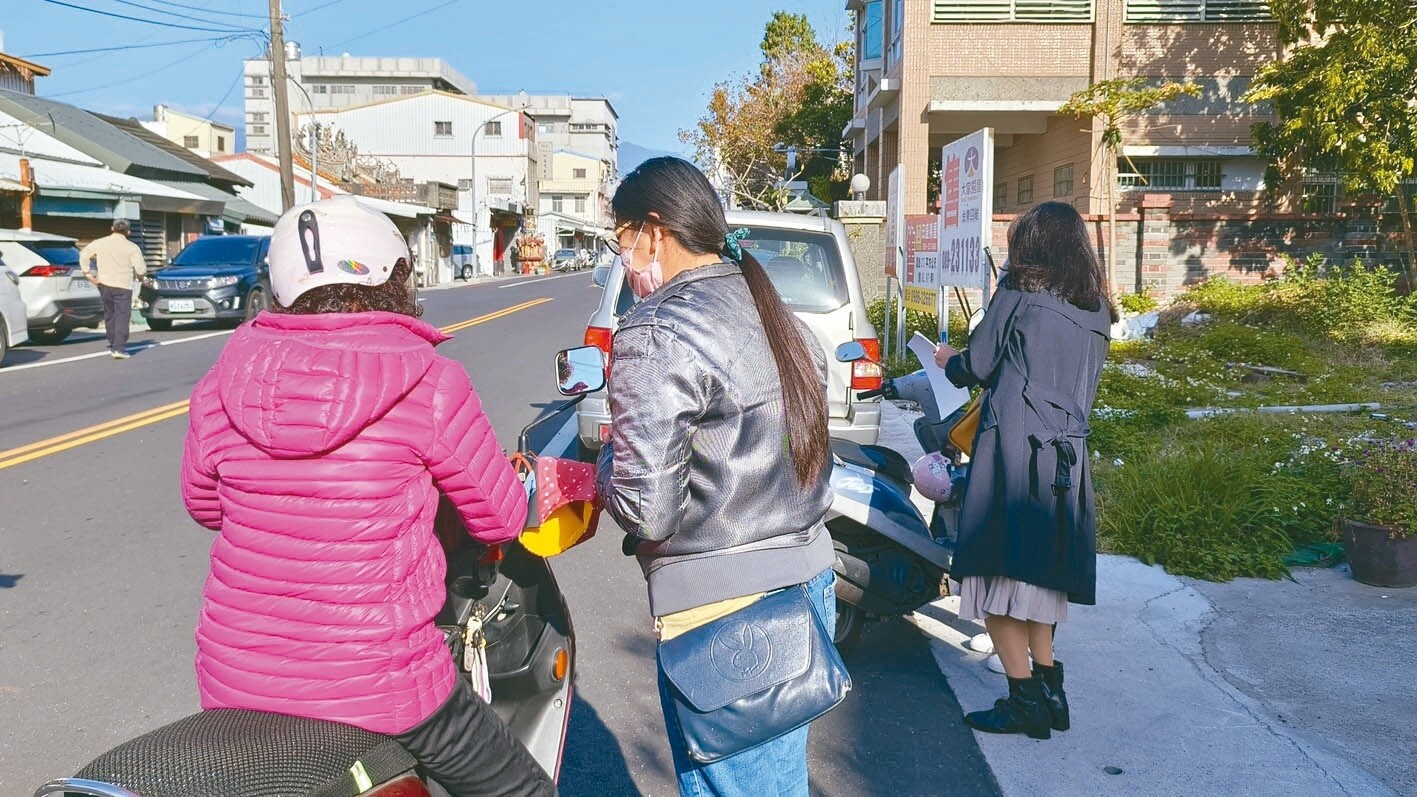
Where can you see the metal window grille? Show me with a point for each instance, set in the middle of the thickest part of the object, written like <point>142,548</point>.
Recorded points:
<point>191,142</point>
<point>580,204</point>
<point>493,129</point>
<point>1144,11</point>
<point>499,185</point>
<point>1025,190</point>
<point>955,12</point>
<point>410,89</point>
<point>1319,194</point>
<point>558,205</point>
<point>1001,196</point>
<point>442,128</point>
<point>578,174</point>
<point>1063,181</point>
<point>386,90</point>
<point>1159,174</point>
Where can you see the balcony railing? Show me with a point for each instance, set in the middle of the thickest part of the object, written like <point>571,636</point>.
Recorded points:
<point>1164,11</point>
<point>956,12</point>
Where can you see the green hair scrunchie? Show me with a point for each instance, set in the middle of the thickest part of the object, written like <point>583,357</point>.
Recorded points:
<point>731,245</point>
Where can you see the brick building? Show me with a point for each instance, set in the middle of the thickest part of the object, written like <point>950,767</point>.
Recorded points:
<point>1192,193</point>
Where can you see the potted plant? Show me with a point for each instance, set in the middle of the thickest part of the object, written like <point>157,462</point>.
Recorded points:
<point>1380,530</point>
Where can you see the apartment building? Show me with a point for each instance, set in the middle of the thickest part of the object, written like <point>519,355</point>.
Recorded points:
<point>191,132</point>
<point>333,82</point>
<point>575,207</point>
<point>930,71</point>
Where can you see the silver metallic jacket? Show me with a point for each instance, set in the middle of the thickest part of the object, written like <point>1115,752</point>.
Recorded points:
<point>697,466</point>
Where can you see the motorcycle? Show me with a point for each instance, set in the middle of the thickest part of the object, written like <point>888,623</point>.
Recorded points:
<point>889,561</point>
<point>504,620</point>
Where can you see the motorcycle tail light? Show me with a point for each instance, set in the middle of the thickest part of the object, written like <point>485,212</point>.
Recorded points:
<point>866,373</point>
<point>562,665</point>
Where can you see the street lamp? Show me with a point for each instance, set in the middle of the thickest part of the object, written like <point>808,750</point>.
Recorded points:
<point>472,183</point>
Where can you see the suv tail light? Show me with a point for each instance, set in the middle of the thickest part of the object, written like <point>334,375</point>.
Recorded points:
<point>47,271</point>
<point>600,337</point>
<point>866,374</point>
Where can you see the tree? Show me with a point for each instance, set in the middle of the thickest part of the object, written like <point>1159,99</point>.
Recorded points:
<point>1111,102</point>
<point>1345,97</point>
<point>800,97</point>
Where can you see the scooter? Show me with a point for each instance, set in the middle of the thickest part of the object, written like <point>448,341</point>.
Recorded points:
<point>503,600</point>
<point>889,561</point>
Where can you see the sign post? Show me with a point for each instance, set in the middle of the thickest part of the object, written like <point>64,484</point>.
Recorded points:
<point>895,254</point>
<point>966,216</point>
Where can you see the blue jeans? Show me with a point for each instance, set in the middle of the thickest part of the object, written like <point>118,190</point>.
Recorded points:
<point>773,769</point>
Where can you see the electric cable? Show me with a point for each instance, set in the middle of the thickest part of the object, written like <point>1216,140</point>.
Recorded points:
<point>210,10</point>
<point>173,25</point>
<point>176,15</point>
<point>128,47</point>
<point>394,24</point>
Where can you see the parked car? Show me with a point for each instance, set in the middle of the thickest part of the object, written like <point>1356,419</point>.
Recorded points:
<point>810,263</point>
<point>217,277</point>
<point>565,260</point>
<point>464,261</point>
<point>13,328</point>
<point>56,296</point>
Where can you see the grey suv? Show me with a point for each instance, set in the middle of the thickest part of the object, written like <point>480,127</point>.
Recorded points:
<point>811,265</point>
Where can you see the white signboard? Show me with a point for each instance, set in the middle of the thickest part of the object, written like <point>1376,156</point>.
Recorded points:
<point>895,222</point>
<point>966,209</point>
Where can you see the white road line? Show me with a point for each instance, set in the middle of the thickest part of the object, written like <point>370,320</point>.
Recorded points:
<point>540,279</point>
<point>131,350</point>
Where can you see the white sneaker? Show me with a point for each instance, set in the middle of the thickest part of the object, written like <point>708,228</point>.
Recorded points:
<point>997,665</point>
<point>981,643</point>
<point>120,355</point>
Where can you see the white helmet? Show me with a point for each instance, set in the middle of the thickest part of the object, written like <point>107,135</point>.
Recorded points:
<point>934,475</point>
<point>332,242</point>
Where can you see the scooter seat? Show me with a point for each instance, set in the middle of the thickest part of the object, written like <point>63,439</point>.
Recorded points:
<point>877,458</point>
<point>232,752</point>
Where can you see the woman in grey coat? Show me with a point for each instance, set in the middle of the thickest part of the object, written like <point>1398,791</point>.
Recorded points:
<point>1026,543</point>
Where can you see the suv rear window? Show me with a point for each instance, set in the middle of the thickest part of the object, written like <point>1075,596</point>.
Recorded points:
<point>805,267</point>
<point>55,254</point>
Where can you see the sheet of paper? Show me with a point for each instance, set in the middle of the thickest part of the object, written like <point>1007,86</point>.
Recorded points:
<point>947,397</point>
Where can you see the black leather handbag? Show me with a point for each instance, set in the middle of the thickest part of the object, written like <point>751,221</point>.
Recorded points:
<point>753,675</point>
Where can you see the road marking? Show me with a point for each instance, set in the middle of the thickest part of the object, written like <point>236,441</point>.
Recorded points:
<point>130,350</point>
<point>539,279</point>
<point>64,442</point>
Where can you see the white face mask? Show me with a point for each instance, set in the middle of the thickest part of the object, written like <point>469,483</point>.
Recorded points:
<point>642,282</point>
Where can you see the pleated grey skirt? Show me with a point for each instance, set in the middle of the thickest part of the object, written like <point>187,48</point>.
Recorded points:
<point>980,596</point>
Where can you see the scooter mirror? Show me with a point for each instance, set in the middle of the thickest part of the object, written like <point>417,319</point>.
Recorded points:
<point>580,371</point>
<point>850,352</point>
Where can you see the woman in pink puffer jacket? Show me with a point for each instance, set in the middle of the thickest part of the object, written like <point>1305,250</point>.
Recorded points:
<point>318,447</point>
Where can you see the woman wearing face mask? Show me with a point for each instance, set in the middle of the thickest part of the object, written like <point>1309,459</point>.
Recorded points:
<point>717,465</point>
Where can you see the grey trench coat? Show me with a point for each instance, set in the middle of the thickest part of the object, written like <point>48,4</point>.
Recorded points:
<point>1028,511</point>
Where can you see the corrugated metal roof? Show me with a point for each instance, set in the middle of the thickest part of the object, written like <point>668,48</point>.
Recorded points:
<point>91,135</point>
<point>135,128</point>
<point>236,207</point>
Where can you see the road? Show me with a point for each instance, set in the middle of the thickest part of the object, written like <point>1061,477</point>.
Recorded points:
<point>101,570</point>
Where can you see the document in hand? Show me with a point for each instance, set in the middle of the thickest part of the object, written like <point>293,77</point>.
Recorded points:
<point>947,397</point>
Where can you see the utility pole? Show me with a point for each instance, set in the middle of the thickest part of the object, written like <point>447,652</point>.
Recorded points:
<point>278,88</point>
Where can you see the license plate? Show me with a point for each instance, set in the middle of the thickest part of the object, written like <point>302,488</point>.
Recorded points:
<point>81,285</point>
<point>181,306</point>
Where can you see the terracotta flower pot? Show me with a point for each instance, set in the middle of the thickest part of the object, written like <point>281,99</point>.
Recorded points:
<point>1377,558</point>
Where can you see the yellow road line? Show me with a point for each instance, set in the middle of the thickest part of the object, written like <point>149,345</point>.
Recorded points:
<point>64,442</point>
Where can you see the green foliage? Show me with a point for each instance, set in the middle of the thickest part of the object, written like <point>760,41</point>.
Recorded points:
<point>1382,478</point>
<point>1140,302</point>
<point>1116,100</point>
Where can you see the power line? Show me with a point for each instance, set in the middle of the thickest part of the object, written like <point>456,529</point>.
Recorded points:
<point>131,78</point>
<point>317,8</point>
<point>394,24</point>
<point>129,47</point>
<point>149,21</point>
<point>229,89</point>
<point>142,7</point>
<point>208,10</point>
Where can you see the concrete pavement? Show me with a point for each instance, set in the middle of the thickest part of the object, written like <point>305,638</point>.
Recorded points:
<point>1185,687</point>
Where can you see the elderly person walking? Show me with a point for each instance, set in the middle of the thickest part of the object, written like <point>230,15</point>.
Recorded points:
<point>119,262</point>
<point>1026,544</point>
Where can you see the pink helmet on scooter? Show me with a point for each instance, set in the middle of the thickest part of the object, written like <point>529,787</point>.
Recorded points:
<point>933,477</point>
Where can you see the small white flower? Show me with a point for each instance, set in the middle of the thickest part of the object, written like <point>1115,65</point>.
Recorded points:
<point>1117,462</point>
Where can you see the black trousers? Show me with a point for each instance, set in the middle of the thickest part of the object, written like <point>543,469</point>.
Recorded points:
<point>467,748</point>
<point>117,312</point>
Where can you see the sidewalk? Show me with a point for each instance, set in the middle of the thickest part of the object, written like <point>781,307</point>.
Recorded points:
<point>1181,687</point>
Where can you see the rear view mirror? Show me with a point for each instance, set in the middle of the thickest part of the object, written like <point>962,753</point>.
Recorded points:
<point>600,276</point>
<point>850,352</point>
<point>580,371</point>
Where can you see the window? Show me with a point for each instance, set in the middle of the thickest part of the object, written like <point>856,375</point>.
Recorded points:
<point>956,12</point>
<point>588,127</point>
<point>256,116</point>
<point>1001,196</point>
<point>319,88</point>
<point>385,91</point>
<point>492,129</point>
<point>580,205</point>
<point>1025,190</point>
<point>1169,174</point>
<point>191,142</point>
<point>258,80</point>
<point>443,129</point>
<point>1319,194</point>
<point>578,174</point>
<point>1063,181</point>
<point>499,185</point>
<point>1197,10</point>
<point>410,89</point>
<point>342,88</point>
<point>558,205</point>
<point>258,93</point>
<point>873,30</point>
<point>221,143</point>
<point>897,27</point>
<point>464,184</point>
<point>257,130</point>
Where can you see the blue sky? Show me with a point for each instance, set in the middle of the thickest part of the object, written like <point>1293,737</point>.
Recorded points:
<point>656,61</point>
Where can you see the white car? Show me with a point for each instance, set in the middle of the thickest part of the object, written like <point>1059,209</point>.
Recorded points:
<point>57,298</point>
<point>13,328</point>
<point>811,265</point>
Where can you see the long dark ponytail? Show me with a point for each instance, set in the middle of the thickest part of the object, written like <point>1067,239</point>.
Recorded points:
<point>684,203</point>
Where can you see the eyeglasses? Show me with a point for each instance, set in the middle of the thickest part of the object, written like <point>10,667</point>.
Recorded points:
<point>612,238</point>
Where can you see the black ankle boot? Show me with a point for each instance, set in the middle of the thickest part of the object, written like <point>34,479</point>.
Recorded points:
<point>1023,711</point>
<point>1053,694</point>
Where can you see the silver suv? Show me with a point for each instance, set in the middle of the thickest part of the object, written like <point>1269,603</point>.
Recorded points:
<point>811,265</point>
